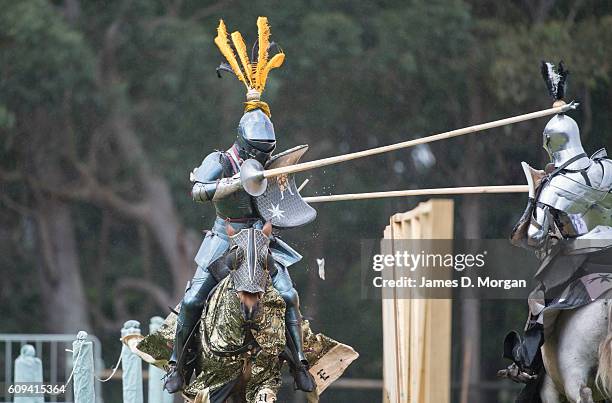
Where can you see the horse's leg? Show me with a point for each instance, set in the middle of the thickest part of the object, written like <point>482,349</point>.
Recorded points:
<point>548,391</point>
<point>550,356</point>
<point>604,370</point>
<point>580,332</point>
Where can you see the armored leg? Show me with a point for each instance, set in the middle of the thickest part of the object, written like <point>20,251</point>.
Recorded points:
<point>190,311</point>
<point>525,351</point>
<point>293,321</point>
<point>191,308</point>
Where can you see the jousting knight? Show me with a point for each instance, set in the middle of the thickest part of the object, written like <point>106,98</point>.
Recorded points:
<point>568,222</point>
<point>217,180</point>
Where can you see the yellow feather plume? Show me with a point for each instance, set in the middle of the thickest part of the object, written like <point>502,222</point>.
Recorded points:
<point>224,46</point>
<point>263,30</point>
<point>244,56</point>
<point>253,73</point>
<point>276,61</point>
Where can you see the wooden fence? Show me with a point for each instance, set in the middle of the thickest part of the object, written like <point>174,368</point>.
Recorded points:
<point>417,331</point>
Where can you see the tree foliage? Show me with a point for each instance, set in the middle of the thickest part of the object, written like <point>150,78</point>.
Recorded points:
<point>105,108</point>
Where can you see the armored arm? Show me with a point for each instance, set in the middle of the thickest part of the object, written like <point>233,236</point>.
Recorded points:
<point>528,224</point>
<point>539,227</point>
<point>208,181</point>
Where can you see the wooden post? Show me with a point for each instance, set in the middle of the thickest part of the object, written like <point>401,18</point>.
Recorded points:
<point>131,365</point>
<point>83,367</point>
<point>156,392</point>
<point>28,368</point>
<point>417,332</point>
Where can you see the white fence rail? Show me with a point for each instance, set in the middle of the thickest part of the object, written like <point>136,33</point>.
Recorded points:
<point>76,361</point>
<point>63,359</point>
<point>50,349</point>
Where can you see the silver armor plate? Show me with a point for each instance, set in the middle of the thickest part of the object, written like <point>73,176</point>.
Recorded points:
<point>582,198</point>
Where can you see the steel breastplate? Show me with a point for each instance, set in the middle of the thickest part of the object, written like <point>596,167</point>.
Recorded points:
<point>236,206</point>
<point>579,207</point>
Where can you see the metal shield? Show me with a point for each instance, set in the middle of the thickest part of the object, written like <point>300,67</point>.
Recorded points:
<point>281,203</point>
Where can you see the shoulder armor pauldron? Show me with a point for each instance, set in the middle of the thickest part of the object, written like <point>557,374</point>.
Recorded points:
<point>599,154</point>
<point>570,196</point>
<point>210,170</point>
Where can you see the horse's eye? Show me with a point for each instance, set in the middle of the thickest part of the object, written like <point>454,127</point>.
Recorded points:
<point>232,258</point>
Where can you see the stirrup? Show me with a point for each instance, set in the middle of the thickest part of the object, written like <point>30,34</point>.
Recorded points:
<point>173,379</point>
<point>302,378</point>
<point>517,374</point>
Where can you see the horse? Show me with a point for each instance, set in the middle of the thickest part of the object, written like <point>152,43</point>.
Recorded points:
<point>238,349</point>
<point>577,355</point>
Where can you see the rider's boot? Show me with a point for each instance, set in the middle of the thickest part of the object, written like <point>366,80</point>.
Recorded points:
<point>175,376</point>
<point>525,355</point>
<point>299,365</point>
<point>191,309</point>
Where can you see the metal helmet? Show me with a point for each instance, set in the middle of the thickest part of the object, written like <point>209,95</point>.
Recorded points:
<point>561,138</point>
<point>255,132</point>
<point>256,137</point>
<point>249,272</point>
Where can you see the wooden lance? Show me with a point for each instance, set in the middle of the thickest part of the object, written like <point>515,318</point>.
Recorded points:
<point>254,177</point>
<point>420,192</point>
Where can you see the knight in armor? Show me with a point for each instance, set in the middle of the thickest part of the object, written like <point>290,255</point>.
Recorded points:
<point>568,222</point>
<point>217,180</point>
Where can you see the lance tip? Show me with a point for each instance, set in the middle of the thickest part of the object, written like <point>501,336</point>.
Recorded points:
<point>571,105</point>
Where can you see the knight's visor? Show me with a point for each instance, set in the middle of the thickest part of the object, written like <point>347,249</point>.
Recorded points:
<point>266,146</point>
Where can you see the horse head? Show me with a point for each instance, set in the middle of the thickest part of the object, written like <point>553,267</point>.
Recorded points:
<point>248,264</point>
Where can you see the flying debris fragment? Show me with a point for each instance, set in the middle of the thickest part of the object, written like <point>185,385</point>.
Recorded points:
<point>423,157</point>
<point>321,264</point>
